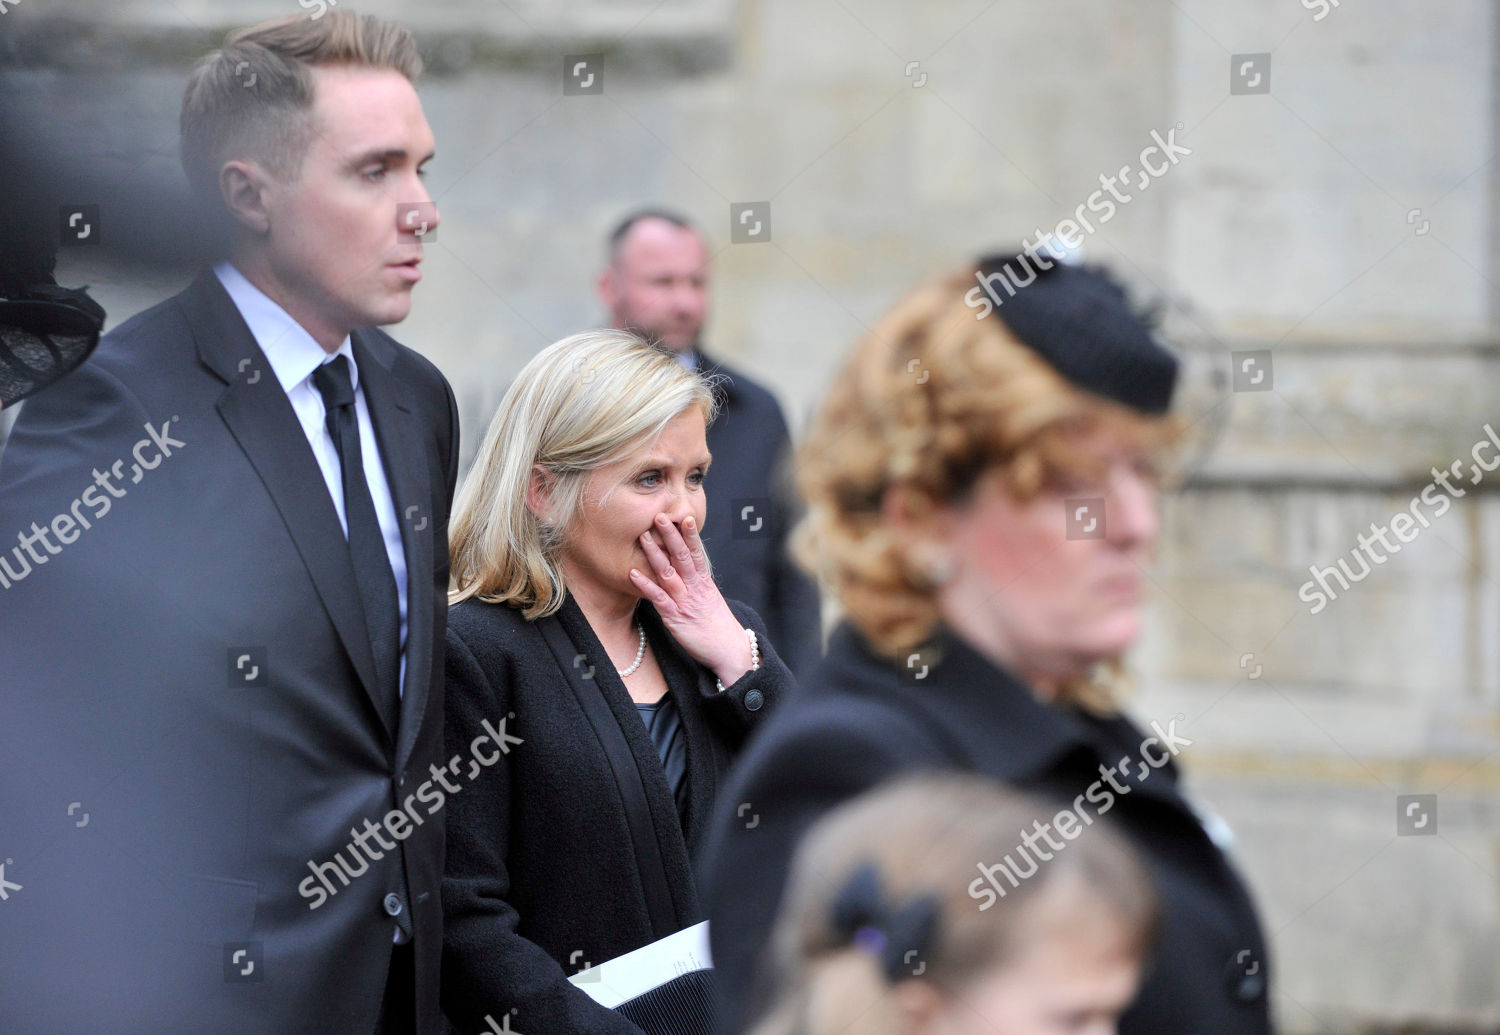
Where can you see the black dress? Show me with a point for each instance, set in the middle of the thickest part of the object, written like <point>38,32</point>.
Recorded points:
<point>663,721</point>
<point>545,872</point>
<point>861,719</point>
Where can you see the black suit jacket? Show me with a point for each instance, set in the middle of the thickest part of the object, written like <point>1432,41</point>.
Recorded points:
<point>191,667</point>
<point>544,861</point>
<point>752,507</point>
<point>863,720</point>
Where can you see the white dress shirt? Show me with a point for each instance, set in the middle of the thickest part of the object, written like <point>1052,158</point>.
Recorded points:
<point>294,355</point>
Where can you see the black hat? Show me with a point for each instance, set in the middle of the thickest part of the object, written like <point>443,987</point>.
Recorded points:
<point>45,332</point>
<point>1078,319</point>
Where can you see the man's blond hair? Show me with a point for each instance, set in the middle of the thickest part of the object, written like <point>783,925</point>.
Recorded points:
<point>253,97</point>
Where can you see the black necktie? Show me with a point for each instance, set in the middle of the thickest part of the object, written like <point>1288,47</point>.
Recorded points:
<point>372,565</point>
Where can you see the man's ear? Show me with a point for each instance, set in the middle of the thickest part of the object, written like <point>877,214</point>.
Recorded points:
<point>244,187</point>
<point>607,284</point>
<point>539,493</point>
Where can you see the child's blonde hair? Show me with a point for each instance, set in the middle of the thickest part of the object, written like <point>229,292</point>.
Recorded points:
<point>922,839</point>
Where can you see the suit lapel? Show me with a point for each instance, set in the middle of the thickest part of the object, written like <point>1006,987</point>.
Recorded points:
<point>262,421</point>
<point>399,433</point>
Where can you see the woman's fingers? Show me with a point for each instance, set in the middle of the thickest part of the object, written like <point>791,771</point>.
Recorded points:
<point>695,545</point>
<point>660,562</point>
<point>674,544</point>
<point>652,592</point>
<point>689,602</point>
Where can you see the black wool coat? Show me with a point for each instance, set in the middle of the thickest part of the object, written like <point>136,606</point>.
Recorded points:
<point>542,874</point>
<point>862,719</point>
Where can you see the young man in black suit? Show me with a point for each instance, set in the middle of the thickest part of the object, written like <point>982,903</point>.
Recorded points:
<point>223,613</point>
<point>657,284</point>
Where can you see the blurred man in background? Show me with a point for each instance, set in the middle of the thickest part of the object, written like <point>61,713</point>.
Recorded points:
<point>657,284</point>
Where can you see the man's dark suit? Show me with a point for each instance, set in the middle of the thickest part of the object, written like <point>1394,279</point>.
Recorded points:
<point>751,510</point>
<point>191,668</point>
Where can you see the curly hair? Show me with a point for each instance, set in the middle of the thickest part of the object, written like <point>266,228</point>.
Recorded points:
<point>930,399</point>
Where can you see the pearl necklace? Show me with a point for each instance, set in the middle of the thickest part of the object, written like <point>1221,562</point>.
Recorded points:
<point>640,653</point>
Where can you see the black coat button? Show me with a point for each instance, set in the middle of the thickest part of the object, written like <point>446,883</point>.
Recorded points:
<point>754,699</point>
<point>393,904</point>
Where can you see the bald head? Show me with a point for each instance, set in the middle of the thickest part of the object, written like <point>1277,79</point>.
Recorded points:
<point>656,283</point>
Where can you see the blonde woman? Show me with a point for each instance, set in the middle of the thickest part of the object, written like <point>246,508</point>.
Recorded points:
<point>589,642</point>
<point>882,932</point>
<point>982,500</point>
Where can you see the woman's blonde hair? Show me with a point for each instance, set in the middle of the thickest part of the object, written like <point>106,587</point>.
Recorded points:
<point>580,404</point>
<point>936,394</point>
<point>925,836</point>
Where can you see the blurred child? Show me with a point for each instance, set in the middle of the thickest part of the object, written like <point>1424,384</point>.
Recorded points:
<point>889,927</point>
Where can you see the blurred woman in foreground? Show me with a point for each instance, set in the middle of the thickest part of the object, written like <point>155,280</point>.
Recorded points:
<point>981,499</point>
